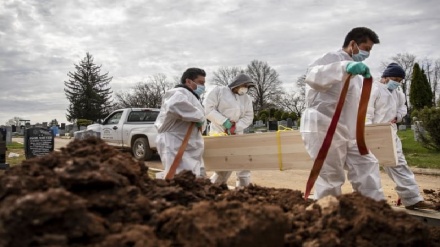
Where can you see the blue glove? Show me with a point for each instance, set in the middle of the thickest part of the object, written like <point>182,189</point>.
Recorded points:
<point>200,124</point>
<point>227,124</point>
<point>358,68</point>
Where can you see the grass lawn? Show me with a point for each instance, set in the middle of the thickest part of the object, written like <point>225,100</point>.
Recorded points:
<point>17,148</point>
<point>415,154</point>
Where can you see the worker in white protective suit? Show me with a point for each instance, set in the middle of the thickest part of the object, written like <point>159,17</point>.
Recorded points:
<point>181,106</point>
<point>324,81</point>
<point>229,108</point>
<point>387,105</point>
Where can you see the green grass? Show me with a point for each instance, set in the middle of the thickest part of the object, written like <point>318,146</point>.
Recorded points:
<point>17,148</point>
<point>415,154</point>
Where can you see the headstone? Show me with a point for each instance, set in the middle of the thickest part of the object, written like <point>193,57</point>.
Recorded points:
<point>14,128</point>
<point>63,126</point>
<point>418,130</point>
<point>282,123</point>
<point>259,123</point>
<point>38,142</point>
<point>3,164</point>
<point>8,134</point>
<point>402,127</point>
<point>85,134</point>
<point>289,123</point>
<point>273,125</point>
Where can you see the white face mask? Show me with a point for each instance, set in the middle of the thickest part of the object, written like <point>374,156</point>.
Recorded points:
<point>242,90</point>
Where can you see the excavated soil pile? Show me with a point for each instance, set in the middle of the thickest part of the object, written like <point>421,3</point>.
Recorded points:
<point>90,194</point>
<point>433,197</point>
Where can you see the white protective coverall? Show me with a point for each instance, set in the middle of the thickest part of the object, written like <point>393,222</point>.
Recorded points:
<point>383,107</point>
<point>222,104</point>
<point>325,79</point>
<point>180,107</point>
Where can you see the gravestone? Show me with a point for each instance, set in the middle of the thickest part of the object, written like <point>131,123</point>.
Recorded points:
<point>63,126</point>
<point>418,130</point>
<point>85,134</point>
<point>3,164</point>
<point>289,123</point>
<point>283,123</point>
<point>273,125</point>
<point>14,128</point>
<point>259,123</point>
<point>38,142</point>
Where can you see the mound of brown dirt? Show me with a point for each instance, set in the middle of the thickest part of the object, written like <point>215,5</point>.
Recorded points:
<point>433,197</point>
<point>90,194</point>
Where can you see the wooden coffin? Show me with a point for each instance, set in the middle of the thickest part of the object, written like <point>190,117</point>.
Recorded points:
<point>283,150</point>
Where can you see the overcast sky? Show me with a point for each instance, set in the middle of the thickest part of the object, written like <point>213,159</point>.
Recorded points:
<point>41,40</point>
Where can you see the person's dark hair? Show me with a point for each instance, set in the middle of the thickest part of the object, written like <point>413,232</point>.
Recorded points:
<point>361,35</point>
<point>192,74</point>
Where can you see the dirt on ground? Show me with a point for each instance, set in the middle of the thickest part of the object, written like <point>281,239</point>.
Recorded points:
<point>90,194</point>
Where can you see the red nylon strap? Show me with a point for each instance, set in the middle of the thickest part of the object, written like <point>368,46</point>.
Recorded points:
<point>362,113</point>
<point>360,130</point>
<point>179,154</point>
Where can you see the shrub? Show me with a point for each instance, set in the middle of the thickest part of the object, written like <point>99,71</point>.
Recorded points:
<point>430,118</point>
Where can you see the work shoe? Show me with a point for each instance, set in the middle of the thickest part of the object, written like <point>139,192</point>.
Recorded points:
<point>420,205</point>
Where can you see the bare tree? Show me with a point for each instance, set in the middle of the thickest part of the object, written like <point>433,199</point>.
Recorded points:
<point>147,94</point>
<point>14,121</point>
<point>436,80</point>
<point>224,75</point>
<point>433,74</point>
<point>267,89</point>
<point>294,101</point>
<point>432,71</point>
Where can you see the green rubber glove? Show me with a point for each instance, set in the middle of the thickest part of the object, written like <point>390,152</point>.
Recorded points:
<point>200,124</point>
<point>358,68</point>
<point>227,124</point>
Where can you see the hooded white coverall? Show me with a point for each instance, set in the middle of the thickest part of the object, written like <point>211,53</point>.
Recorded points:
<point>325,79</point>
<point>222,104</point>
<point>383,107</point>
<point>180,107</point>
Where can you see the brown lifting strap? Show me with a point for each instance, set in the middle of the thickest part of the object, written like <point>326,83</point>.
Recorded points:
<point>360,130</point>
<point>179,154</point>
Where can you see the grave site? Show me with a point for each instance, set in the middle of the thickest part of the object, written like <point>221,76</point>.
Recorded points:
<point>91,194</point>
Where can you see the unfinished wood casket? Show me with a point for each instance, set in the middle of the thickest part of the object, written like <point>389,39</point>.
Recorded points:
<point>283,150</point>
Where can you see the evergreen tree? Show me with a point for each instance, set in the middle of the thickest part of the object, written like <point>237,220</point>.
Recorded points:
<point>88,92</point>
<point>420,90</point>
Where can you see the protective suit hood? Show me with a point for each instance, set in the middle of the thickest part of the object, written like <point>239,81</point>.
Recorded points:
<point>240,80</point>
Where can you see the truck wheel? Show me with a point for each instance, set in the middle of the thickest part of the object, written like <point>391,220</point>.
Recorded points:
<point>141,149</point>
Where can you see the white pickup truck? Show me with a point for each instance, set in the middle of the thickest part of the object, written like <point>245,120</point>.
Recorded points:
<point>131,128</point>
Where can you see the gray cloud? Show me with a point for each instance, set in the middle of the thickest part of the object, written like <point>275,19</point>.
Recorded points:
<point>40,41</point>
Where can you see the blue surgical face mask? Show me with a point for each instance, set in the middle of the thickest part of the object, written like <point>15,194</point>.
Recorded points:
<point>361,56</point>
<point>392,85</point>
<point>199,90</point>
